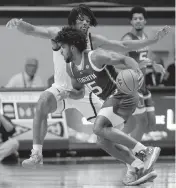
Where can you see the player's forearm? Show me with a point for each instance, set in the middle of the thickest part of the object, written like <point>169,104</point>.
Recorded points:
<point>77,94</point>
<point>33,30</point>
<point>132,45</point>
<point>25,27</point>
<point>130,63</point>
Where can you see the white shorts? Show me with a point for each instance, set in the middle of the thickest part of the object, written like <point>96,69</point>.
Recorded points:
<point>88,106</point>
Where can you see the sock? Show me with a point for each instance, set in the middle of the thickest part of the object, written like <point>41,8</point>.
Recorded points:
<point>137,163</point>
<point>138,147</point>
<point>130,168</point>
<point>38,148</point>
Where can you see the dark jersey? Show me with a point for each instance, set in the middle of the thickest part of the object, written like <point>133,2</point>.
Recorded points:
<point>139,55</point>
<point>100,81</point>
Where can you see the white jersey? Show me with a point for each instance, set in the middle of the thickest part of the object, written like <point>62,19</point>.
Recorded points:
<point>61,79</point>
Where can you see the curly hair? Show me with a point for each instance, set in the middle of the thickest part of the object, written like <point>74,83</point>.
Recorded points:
<point>82,9</point>
<point>138,9</point>
<point>71,36</point>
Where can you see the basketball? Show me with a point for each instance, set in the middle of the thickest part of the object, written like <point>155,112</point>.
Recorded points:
<point>127,81</point>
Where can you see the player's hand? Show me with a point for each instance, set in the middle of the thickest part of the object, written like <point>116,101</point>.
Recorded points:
<point>64,94</point>
<point>14,23</point>
<point>145,63</point>
<point>161,33</point>
<point>159,69</point>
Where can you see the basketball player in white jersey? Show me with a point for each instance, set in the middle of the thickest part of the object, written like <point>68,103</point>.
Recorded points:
<point>82,18</point>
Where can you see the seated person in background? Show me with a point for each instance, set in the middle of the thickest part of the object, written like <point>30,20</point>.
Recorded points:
<point>169,79</point>
<point>28,78</point>
<point>8,146</point>
<point>154,78</point>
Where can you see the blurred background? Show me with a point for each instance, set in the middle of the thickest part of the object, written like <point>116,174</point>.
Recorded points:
<point>66,133</point>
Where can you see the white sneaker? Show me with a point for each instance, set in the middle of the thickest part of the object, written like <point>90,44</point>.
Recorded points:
<point>139,177</point>
<point>130,176</point>
<point>152,154</point>
<point>35,160</point>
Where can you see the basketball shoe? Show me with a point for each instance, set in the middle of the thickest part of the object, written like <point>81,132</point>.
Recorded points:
<point>149,157</point>
<point>36,159</point>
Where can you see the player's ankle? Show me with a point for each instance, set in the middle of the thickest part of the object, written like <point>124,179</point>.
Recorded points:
<point>38,147</point>
<point>138,147</point>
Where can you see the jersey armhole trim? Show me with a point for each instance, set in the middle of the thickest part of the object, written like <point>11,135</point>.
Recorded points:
<point>91,63</point>
<point>71,68</point>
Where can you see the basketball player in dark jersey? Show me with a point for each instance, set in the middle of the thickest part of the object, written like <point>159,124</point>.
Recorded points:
<point>89,68</point>
<point>145,112</point>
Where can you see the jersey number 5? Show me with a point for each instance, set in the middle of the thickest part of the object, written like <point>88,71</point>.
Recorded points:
<point>95,89</point>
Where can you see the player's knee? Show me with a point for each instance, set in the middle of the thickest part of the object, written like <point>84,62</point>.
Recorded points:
<point>45,103</point>
<point>99,125</point>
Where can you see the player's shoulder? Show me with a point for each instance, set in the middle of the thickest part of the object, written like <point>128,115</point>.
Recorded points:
<point>127,36</point>
<point>99,56</point>
<point>98,52</point>
<point>98,40</point>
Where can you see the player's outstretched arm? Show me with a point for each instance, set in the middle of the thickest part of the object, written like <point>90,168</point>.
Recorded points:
<point>129,45</point>
<point>29,29</point>
<point>78,90</point>
<point>101,57</point>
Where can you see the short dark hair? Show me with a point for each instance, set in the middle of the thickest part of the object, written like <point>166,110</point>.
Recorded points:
<point>71,36</point>
<point>138,9</point>
<point>82,9</point>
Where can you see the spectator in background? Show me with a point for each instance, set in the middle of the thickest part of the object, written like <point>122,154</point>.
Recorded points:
<point>169,79</point>
<point>154,78</point>
<point>27,78</point>
<point>8,146</point>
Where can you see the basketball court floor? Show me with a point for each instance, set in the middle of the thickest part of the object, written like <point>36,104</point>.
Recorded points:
<point>81,173</point>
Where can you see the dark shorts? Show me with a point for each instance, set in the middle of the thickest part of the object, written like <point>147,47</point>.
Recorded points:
<point>118,108</point>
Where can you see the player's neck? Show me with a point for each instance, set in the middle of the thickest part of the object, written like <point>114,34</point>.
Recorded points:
<point>77,59</point>
<point>138,33</point>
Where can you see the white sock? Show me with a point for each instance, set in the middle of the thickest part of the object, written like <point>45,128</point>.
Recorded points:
<point>130,168</point>
<point>38,148</point>
<point>137,163</point>
<point>138,147</point>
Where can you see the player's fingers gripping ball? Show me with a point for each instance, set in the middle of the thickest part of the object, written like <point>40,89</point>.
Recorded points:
<point>129,81</point>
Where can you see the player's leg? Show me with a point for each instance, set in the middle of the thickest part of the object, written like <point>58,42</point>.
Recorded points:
<point>111,116</point>
<point>47,103</point>
<point>150,110</point>
<point>113,109</point>
<point>117,151</point>
<point>136,125</point>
